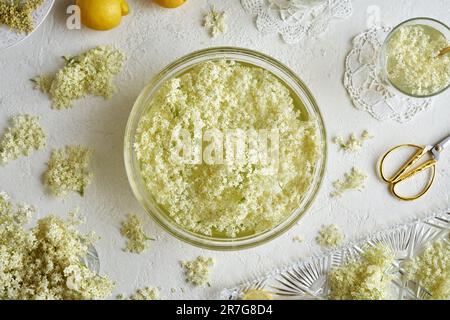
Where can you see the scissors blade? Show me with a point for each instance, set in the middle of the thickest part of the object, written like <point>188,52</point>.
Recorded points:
<point>437,149</point>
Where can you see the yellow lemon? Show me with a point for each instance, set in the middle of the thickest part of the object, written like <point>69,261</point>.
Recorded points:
<point>255,294</point>
<point>102,14</point>
<point>170,3</point>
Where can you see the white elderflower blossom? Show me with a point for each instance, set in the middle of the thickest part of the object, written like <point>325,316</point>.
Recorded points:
<point>68,170</point>
<point>363,279</point>
<point>329,236</point>
<point>90,73</point>
<point>45,262</point>
<point>229,197</point>
<point>354,180</point>
<point>216,23</point>
<point>133,230</point>
<point>24,135</point>
<point>198,271</point>
<point>353,143</point>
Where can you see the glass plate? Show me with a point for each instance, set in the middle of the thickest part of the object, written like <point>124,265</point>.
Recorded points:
<point>307,279</point>
<point>10,38</point>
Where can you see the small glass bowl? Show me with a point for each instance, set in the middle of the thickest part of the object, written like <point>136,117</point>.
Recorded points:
<point>440,26</point>
<point>180,66</point>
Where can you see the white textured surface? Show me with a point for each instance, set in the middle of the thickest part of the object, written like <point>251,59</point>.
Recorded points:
<point>154,37</point>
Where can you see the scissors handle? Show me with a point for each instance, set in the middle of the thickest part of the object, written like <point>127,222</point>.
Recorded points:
<point>419,169</point>
<point>405,173</point>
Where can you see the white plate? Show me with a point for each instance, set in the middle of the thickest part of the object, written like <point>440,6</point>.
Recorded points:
<point>10,38</point>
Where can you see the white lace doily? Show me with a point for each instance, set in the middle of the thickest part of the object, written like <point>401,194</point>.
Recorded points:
<point>10,38</point>
<point>364,82</point>
<point>296,19</point>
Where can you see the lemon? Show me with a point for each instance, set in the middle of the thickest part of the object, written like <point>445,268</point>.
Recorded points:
<point>255,294</point>
<point>102,14</point>
<point>170,3</point>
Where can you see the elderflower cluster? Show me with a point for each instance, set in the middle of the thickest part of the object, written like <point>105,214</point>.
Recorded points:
<point>233,198</point>
<point>147,293</point>
<point>354,180</point>
<point>17,14</point>
<point>24,135</point>
<point>133,230</point>
<point>216,23</point>
<point>363,279</point>
<point>90,73</point>
<point>431,269</point>
<point>329,236</point>
<point>68,170</point>
<point>198,271</point>
<point>45,262</point>
<point>353,143</point>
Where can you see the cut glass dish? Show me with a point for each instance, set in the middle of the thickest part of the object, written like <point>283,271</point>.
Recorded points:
<point>307,279</point>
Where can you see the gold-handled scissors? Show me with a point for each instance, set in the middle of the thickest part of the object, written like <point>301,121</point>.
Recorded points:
<point>408,170</point>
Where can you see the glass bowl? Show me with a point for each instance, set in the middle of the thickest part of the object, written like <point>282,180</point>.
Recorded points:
<point>440,26</point>
<point>182,65</point>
